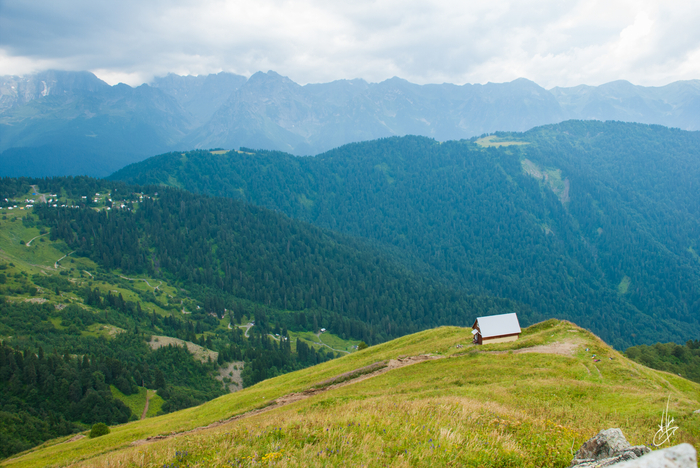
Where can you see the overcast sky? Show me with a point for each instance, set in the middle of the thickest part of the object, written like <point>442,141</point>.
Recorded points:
<point>552,42</point>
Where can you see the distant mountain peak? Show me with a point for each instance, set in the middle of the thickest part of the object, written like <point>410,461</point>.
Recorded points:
<point>270,111</point>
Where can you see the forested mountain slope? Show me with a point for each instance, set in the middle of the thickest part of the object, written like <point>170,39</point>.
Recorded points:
<point>595,222</point>
<point>227,249</point>
<point>99,279</point>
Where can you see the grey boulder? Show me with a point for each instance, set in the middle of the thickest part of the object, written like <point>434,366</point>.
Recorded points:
<point>608,447</point>
<point>678,456</point>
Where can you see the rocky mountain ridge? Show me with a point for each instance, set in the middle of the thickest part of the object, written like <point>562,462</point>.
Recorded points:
<point>63,123</point>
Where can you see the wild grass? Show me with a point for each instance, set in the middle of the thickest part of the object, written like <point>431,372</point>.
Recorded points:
<point>155,404</point>
<point>135,402</point>
<point>476,406</point>
<point>98,330</point>
<point>325,341</point>
<point>624,285</point>
<point>493,140</point>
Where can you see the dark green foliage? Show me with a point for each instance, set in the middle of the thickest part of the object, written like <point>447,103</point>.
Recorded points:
<point>11,187</point>
<point>99,429</point>
<point>472,218</point>
<point>44,396</point>
<point>223,249</point>
<point>60,380</point>
<point>670,357</point>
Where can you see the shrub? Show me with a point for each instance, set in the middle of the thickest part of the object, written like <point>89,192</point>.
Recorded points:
<point>99,429</point>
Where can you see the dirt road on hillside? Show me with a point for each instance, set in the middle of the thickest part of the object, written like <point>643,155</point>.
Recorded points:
<point>294,397</point>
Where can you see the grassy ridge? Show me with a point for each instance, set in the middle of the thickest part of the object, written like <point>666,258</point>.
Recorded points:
<point>488,406</point>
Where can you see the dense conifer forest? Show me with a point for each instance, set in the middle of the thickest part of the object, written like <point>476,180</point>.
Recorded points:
<point>595,222</point>
<point>224,250</point>
<point>229,261</point>
<point>598,223</point>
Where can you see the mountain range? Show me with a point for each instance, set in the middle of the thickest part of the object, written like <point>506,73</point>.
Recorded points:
<point>69,123</point>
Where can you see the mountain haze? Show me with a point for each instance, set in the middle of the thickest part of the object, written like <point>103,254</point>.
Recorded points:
<point>61,123</point>
<point>58,123</point>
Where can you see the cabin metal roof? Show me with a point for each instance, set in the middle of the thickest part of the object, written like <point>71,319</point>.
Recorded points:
<point>497,325</point>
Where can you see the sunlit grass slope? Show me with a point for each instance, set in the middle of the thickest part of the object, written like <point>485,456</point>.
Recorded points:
<point>495,405</point>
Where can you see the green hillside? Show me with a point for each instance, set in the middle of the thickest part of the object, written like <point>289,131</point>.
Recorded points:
<point>227,253</point>
<point>107,291</point>
<point>77,339</point>
<point>428,399</point>
<point>595,222</point>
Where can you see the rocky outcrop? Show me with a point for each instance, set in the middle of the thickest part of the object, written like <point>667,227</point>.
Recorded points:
<point>679,456</point>
<point>605,449</point>
<point>609,447</point>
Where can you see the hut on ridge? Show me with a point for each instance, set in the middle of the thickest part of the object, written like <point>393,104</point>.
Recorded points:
<point>496,329</point>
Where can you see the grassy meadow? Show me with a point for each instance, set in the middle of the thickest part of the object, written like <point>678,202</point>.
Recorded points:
<point>532,402</point>
<point>137,401</point>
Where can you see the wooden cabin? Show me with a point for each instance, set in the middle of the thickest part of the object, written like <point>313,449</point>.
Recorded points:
<point>496,329</point>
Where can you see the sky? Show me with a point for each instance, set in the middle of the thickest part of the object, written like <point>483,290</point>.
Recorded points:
<point>551,42</point>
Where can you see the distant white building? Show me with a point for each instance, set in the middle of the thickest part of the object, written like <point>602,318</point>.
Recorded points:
<point>496,329</point>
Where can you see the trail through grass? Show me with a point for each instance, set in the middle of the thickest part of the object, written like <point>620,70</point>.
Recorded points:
<point>494,405</point>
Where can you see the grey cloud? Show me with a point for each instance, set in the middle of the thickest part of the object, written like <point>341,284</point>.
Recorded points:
<point>316,40</point>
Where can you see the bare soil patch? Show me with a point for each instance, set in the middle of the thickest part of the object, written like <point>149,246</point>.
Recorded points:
<point>566,348</point>
<point>233,372</point>
<point>36,300</point>
<point>200,353</point>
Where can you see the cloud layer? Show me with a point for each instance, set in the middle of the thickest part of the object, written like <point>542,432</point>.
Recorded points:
<point>551,42</point>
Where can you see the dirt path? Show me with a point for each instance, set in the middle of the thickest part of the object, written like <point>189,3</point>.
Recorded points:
<point>30,242</point>
<point>565,348</point>
<point>144,280</point>
<point>55,265</point>
<point>35,188</point>
<point>148,399</point>
<point>294,397</point>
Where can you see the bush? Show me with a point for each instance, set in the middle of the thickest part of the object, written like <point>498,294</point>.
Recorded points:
<point>362,346</point>
<point>99,429</point>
